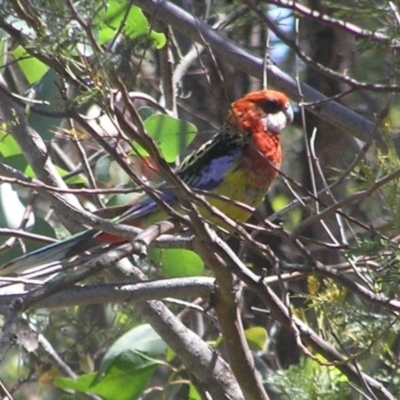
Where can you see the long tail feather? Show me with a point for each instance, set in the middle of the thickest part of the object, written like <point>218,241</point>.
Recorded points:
<point>53,253</point>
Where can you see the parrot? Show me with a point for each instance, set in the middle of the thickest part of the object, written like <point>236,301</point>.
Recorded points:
<point>239,162</point>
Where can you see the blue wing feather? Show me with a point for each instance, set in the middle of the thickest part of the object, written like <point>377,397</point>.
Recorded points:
<point>202,176</point>
<point>211,174</point>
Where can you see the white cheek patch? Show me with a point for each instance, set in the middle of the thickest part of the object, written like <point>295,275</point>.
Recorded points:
<point>274,122</point>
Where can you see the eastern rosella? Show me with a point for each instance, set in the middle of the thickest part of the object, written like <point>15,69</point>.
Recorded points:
<point>239,162</point>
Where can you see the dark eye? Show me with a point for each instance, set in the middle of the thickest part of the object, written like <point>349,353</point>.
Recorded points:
<point>270,106</point>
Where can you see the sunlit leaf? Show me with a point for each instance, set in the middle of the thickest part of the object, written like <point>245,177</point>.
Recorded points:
<point>279,202</point>
<point>193,393</point>
<point>73,180</point>
<point>8,145</point>
<point>256,337</point>
<point>171,135</point>
<point>135,23</point>
<point>177,262</point>
<point>32,68</point>
<point>116,384</point>
<point>129,363</point>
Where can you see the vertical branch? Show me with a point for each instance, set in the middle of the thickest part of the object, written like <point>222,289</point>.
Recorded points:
<point>167,62</point>
<point>226,308</point>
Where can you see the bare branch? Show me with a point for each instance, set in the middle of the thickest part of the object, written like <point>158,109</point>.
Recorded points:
<point>349,27</point>
<point>315,65</point>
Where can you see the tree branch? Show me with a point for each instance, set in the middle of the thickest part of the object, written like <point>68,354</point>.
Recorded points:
<point>243,60</point>
<point>117,292</point>
<point>353,29</point>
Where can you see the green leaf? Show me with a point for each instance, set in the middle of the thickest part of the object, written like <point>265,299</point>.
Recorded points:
<point>129,364</point>
<point>31,67</point>
<point>8,145</point>
<point>256,337</point>
<point>171,135</point>
<point>135,23</point>
<point>293,218</point>
<point>142,339</point>
<point>193,393</point>
<point>117,384</point>
<point>177,263</point>
<point>279,202</point>
<point>72,180</point>
<point>29,172</point>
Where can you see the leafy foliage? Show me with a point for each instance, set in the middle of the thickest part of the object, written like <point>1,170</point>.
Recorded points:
<point>311,381</point>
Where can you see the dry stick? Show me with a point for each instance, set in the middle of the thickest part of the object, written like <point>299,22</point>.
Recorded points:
<point>10,327</point>
<point>210,370</point>
<point>346,201</point>
<point>25,235</point>
<point>6,395</point>
<point>166,63</point>
<point>89,172</point>
<point>49,349</point>
<point>225,302</point>
<point>35,184</point>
